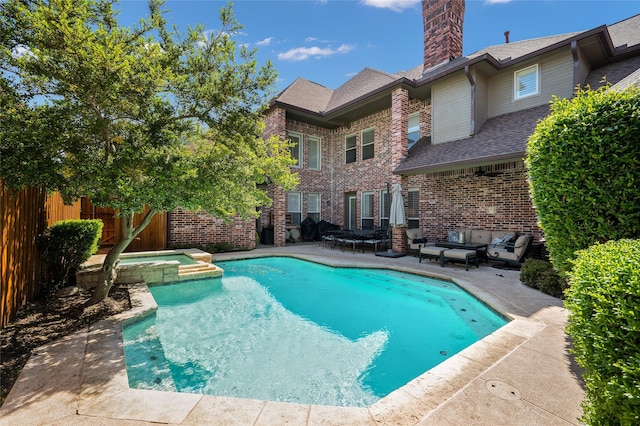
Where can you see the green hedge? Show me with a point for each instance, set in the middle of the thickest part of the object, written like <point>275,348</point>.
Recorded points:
<point>65,246</point>
<point>604,324</point>
<point>584,169</point>
<point>541,275</point>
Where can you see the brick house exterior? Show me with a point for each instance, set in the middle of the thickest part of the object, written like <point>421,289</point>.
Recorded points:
<point>465,170</point>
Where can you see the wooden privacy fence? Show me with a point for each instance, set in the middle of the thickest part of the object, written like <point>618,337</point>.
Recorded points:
<point>23,218</point>
<point>27,214</point>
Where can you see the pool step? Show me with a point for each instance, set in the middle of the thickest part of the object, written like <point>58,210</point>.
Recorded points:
<point>200,270</point>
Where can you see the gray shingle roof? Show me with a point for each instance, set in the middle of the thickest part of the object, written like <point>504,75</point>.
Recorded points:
<point>625,32</point>
<point>500,138</point>
<point>317,98</point>
<point>366,81</point>
<point>307,95</point>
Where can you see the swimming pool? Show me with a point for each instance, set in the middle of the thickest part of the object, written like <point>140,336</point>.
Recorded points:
<point>289,330</point>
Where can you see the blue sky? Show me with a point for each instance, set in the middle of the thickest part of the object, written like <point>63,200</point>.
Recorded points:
<point>328,41</point>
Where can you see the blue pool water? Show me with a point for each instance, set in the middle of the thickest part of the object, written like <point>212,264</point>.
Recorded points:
<point>284,329</point>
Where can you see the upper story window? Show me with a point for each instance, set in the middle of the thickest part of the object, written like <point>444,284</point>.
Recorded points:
<point>413,133</point>
<point>296,149</point>
<point>350,149</point>
<point>367,210</point>
<point>367,144</point>
<point>413,210</point>
<point>526,82</point>
<point>314,148</point>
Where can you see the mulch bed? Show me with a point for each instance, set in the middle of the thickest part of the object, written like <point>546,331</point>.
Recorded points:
<point>43,321</point>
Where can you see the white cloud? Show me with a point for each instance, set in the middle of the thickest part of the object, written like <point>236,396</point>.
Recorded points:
<point>395,5</point>
<point>490,2</point>
<point>315,39</point>
<point>266,42</point>
<point>303,53</point>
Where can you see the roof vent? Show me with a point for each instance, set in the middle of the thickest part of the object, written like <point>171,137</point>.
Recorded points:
<point>506,36</point>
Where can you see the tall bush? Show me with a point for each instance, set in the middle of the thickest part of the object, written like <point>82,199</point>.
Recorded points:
<point>584,169</point>
<point>66,245</point>
<point>539,274</point>
<point>603,299</point>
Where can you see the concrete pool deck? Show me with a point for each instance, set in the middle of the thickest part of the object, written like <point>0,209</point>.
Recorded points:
<point>522,374</point>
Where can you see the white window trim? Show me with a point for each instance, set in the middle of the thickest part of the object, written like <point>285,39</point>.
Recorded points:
<point>319,204</point>
<point>371,195</point>
<point>516,91</point>
<point>299,136</point>
<point>373,142</point>
<point>416,190</point>
<point>383,215</point>
<point>414,115</point>
<point>299,202</point>
<point>319,141</point>
<point>355,146</point>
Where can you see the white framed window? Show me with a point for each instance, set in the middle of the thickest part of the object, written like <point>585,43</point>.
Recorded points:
<point>314,148</point>
<point>296,149</point>
<point>294,207</point>
<point>366,210</point>
<point>367,144</point>
<point>526,82</point>
<point>313,206</point>
<point>413,131</point>
<point>350,149</point>
<point>385,208</point>
<point>413,210</point>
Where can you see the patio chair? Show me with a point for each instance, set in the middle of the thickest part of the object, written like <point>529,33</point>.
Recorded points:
<point>511,256</point>
<point>348,237</point>
<point>380,238</point>
<point>416,239</point>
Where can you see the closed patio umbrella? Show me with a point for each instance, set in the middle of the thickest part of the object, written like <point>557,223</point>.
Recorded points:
<point>396,215</point>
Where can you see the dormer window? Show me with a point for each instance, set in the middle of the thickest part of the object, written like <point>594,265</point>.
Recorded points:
<point>526,82</point>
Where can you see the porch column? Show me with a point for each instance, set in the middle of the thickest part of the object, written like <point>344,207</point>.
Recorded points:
<point>399,149</point>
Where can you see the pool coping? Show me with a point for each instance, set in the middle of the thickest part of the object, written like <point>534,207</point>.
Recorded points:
<point>99,388</point>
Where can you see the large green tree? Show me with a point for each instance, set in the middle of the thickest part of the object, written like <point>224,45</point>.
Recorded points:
<point>134,117</point>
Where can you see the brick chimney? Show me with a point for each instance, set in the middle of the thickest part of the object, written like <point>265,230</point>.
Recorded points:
<point>442,21</point>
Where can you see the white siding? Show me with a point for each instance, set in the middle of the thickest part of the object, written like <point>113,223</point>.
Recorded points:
<point>556,78</point>
<point>451,109</point>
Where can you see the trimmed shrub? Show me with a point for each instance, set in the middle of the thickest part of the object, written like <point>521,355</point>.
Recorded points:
<point>65,246</point>
<point>603,300</point>
<point>541,275</point>
<point>584,169</point>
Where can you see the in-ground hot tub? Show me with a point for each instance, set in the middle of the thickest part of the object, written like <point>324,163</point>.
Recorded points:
<point>152,267</point>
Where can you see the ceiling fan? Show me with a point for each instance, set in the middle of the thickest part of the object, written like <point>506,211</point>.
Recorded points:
<point>484,172</point>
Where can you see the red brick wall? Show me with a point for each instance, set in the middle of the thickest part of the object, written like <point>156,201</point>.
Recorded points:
<point>448,200</point>
<point>202,228</point>
<point>460,199</point>
<point>442,21</point>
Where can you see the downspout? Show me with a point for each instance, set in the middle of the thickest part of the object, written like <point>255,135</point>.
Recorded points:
<point>472,129</point>
<point>576,64</point>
